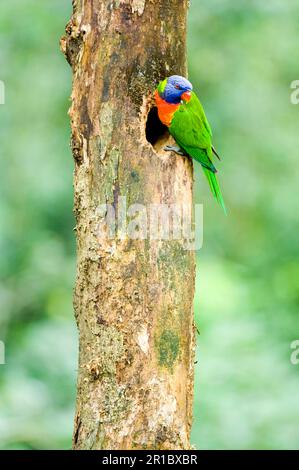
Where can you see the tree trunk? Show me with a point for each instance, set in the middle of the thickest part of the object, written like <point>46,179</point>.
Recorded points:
<point>134,293</point>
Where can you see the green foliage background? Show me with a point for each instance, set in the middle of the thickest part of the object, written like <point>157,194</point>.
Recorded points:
<point>242,59</point>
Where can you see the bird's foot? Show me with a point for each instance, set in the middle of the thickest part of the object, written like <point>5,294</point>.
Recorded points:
<point>175,149</point>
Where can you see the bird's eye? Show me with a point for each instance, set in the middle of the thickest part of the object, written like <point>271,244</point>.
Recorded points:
<point>177,87</point>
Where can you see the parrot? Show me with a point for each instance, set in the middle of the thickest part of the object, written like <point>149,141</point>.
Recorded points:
<point>181,111</point>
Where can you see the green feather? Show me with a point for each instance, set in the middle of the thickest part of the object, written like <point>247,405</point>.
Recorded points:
<point>161,86</point>
<point>215,188</point>
<point>192,132</point>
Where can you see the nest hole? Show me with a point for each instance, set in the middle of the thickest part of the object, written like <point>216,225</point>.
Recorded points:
<point>156,133</point>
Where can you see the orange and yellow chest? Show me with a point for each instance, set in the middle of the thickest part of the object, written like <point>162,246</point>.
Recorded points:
<point>165,110</point>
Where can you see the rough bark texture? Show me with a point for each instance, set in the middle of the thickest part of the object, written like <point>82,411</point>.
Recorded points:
<point>133,298</point>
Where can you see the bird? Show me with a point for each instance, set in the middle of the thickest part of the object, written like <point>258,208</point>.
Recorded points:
<point>181,111</point>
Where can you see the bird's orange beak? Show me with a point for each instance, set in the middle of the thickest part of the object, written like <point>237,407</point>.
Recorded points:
<point>186,96</point>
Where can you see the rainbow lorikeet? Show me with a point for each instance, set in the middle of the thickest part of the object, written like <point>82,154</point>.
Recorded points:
<point>181,111</point>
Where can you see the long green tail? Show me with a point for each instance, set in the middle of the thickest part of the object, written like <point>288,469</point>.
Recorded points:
<point>215,188</point>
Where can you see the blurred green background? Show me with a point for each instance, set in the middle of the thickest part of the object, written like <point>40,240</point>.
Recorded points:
<point>242,58</point>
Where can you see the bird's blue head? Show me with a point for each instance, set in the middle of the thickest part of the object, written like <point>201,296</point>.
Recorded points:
<point>176,89</point>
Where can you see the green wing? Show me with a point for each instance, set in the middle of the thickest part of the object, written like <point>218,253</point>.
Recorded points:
<point>192,132</point>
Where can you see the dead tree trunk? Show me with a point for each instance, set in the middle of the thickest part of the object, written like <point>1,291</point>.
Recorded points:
<point>134,294</point>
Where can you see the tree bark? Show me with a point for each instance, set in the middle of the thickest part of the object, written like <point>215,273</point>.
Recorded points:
<point>133,298</point>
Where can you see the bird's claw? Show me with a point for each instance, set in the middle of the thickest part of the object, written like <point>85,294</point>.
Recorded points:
<point>172,148</point>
